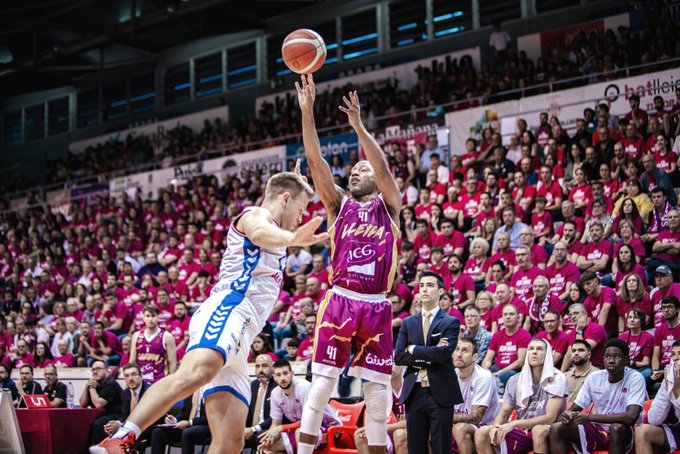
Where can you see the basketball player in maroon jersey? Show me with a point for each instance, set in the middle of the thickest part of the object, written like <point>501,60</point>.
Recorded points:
<point>355,316</point>
<point>153,347</point>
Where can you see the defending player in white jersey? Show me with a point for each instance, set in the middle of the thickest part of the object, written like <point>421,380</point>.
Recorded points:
<point>223,327</point>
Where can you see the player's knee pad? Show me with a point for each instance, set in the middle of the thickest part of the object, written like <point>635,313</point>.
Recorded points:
<point>378,399</point>
<point>318,397</point>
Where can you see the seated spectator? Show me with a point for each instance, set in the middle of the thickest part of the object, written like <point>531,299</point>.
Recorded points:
<point>658,219</point>
<point>654,177</point>
<point>641,343</point>
<point>665,286</point>
<point>291,350</point>
<point>666,248</point>
<point>179,328</point>
<point>595,255</point>
<point>61,333</point>
<point>525,274</point>
<point>461,284</point>
<point>539,256</point>
<point>474,330</point>
<point>626,264</point>
<point>288,400</point>
<point>542,222</point>
<point>610,425</point>
<point>259,418</point>
<point>103,346</point>
<point>661,433</point>
<point>600,303</point>
<point>451,240</point>
<point>28,386</point>
<point>665,336</point>
<point>580,358</point>
<point>558,339</point>
<point>587,330</point>
<point>478,263</point>
<point>561,273</point>
<point>43,356</point>
<point>22,355</point>
<point>537,394</point>
<point>65,357</point>
<point>510,226</point>
<point>480,396</point>
<point>539,304</point>
<point>633,296</point>
<point>261,346</point>
<point>627,214</point>
<point>6,382</point>
<point>508,346</point>
<point>306,349</point>
<point>102,391</point>
<point>55,390</point>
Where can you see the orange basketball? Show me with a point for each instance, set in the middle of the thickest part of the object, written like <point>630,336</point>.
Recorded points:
<point>304,51</point>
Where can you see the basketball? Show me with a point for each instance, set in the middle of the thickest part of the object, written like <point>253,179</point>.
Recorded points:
<point>304,51</point>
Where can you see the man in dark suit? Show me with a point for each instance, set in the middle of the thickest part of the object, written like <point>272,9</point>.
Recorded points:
<point>258,419</point>
<point>135,389</point>
<point>190,427</point>
<point>425,345</point>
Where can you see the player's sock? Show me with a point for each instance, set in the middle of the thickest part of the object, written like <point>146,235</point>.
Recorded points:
<point>304,448</point>
<point>126,429</point>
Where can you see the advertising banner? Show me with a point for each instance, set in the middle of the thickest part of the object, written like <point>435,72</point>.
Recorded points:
<point>562,39</point>
<point>157,131</point>
<point>341,145</point>
<point>567,105</point>
<point>267,161</point>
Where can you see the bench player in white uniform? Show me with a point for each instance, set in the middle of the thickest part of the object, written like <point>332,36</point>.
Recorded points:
<point>224,326</point>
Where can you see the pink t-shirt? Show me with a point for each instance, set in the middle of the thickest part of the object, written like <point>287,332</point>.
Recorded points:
<point>457,240</point>
<point>664,338</point>
<point>507,347</point>
<point>667,237</point>
<point>559,277</point>
<point>559,344</point>
<point>594,306</point>
<point>460,287</point>
<point>597,334</point>
<point>641,346</point>
<point>657,295</point>
<point>522,281</point>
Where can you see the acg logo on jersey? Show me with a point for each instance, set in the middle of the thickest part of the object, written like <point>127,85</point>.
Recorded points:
<point>361,252</point>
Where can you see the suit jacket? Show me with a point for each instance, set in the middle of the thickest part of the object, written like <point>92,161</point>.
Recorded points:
<point>426,355</point>
<point>254,388</point>
<point>126,397</point>
<point>184,413</point>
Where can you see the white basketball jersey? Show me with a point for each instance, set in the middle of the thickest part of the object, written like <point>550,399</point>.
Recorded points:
<point>252,271</point>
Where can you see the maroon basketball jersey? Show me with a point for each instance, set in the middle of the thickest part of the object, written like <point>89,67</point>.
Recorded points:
<point>151,356</point>
<point>363,247</point>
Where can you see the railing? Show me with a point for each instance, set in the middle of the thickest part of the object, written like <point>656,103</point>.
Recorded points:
<point>547,87</point>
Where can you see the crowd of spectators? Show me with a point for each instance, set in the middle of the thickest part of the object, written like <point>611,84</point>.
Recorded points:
<point>454,84</point>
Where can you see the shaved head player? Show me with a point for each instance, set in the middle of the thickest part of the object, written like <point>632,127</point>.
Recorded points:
<point>355,316</point>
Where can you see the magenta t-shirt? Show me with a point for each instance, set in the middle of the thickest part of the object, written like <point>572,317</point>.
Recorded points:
<point>592,251</point>
<point>664,338</point>
<point>460,287</point>
<point>559,277</point>
<point>523,281</point>
<point>507,347</point>
<point>594,306</point>
<point>457,240</point>
<point>667,237</point>
<point>507,257</point>
<point>640,346</point>
<point>560,343</point>
<point>657,296</point>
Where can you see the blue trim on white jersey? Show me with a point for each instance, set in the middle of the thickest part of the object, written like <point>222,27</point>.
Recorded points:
<point>251,257</point>
<point>217,322</point>
<point>228,389</point>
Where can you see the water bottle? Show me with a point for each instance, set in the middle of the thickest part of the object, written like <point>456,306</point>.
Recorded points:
<point>69,395</point>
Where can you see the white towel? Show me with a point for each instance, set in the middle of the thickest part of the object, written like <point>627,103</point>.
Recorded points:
<point>552,380</point>
<point>670,375</point>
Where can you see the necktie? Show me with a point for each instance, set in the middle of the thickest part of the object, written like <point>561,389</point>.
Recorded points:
<point>422,373</point>
<point>258,405</point>
<point>194,405</point>
<point>133,400</point>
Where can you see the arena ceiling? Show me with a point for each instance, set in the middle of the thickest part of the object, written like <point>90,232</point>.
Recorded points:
<point>52,43</point>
